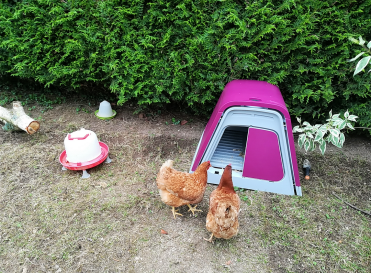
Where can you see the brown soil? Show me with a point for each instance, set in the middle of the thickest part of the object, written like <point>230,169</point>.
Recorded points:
<point>54,221</point>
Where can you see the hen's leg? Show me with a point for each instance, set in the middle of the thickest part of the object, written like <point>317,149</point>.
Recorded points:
<point>210,239</point>
<point>175,212</point>
<point>193,209</point>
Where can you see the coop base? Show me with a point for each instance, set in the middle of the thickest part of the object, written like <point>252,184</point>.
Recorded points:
<point>214,175</point>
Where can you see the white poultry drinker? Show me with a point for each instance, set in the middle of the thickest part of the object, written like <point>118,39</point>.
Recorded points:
<point>105,111</point>
<point>83,151</point>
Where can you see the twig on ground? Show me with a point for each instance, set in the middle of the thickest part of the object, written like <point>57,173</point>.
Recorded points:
<point>354,207</point>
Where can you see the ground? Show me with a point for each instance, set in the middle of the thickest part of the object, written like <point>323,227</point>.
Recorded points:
<point>54,221</point>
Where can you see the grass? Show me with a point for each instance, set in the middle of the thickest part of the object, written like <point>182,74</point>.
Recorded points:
<point>318,228</point>
<point>112,221</point>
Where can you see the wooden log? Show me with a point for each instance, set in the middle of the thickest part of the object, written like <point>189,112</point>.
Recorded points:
<point>18,118</point>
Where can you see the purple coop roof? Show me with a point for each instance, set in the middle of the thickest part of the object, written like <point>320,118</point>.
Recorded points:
<point>248,93</point>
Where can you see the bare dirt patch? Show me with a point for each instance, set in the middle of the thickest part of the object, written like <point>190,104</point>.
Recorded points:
<point>54,221</point>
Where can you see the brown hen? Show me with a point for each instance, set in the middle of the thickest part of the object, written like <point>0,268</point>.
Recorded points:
<point>180,188</point>
<point>224,207</point>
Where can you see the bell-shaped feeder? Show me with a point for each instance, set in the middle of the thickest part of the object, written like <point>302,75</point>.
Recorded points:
<point>105,111</point>
<point>83,151</point>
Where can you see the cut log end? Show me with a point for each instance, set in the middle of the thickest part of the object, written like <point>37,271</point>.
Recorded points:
<point>33,127</point>
<point>18,118</point>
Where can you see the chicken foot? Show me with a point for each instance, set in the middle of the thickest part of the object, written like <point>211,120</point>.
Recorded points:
<point>175,211</point>
<point>210,239</point>
<point>193,209</point>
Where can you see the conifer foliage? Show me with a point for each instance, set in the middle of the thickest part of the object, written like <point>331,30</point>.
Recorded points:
<point>186,51</point>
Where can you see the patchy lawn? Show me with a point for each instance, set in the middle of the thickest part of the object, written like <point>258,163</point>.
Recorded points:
<point>54,221</point>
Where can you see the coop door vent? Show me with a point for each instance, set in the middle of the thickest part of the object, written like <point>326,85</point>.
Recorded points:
<point>231,149</point>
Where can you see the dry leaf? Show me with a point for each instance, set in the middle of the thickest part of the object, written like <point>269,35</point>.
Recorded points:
<point>229,262</point>
<point>163,231</point>
<point>141,115</point>
<point>183,122</point>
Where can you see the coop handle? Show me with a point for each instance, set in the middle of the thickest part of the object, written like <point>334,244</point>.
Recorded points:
<point>255,99</point>
<point>78,138</point>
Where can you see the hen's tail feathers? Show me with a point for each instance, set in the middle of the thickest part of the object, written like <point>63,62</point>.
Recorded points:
<point>226,214</point>
<point>168,163</point>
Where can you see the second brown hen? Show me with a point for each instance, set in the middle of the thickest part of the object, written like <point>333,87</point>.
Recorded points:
<point>224,207</point>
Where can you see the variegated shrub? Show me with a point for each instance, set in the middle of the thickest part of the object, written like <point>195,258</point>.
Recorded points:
<point>361,65</point>
<point>320,133</point>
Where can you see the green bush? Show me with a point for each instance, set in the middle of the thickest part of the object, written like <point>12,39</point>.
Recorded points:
<point>186,51</point>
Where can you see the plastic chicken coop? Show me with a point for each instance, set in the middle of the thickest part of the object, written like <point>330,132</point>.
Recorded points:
<point>250,128</point>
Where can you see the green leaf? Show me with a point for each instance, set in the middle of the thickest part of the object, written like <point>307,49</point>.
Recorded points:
<point>301,140</point>
<point>330,113</point>
<point>356,57</point>
<point>307,145</point>
<point>335,140</point>
<point>312,145</point>
<point>332,140</point>
<point>361,65</point>
<point>361,41</point>
<point>323,129</point>
<point>335,132</point>
<point>342,125</point>
<point>352,118</point>
<point>298,119</point>
<point>369,44</point>
<point>350,126</point>
<point>319,136</point>
<point>335,116</point>
<point>354,40</point>
<point>342,139</point>
<point>297,129</point>
<point>309,134</point>
<point>346,114</point>
<point>337,122</point>
<point>338,145</point>
<point>322,147</point>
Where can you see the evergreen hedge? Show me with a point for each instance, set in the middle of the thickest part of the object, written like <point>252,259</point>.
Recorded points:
<point>186,51</point>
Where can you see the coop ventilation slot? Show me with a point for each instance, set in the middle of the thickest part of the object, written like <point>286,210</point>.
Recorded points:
<point>231,149</point>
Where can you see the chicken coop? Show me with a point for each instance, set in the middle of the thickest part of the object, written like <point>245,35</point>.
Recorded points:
<point>250,128</point>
